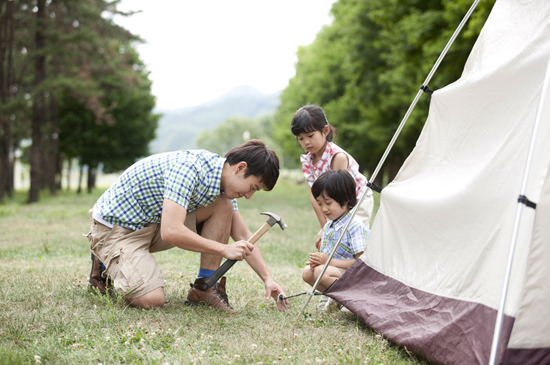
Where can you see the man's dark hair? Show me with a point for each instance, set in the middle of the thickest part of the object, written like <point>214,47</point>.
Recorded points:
<point>261,161</point>
<point>338,185</point>
<point>311,118</point>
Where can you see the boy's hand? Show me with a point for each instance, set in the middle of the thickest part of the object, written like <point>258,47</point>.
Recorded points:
<point>317,258</point>
<point>311,265</point>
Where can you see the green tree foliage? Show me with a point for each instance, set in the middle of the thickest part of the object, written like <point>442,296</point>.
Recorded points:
<point>367,66</point>
<point>116,130</point>
<point>78,84</point>
<point>106,92</point>
<point>235,131</point>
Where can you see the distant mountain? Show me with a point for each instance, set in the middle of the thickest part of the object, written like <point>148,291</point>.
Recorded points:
<point>179,128</point>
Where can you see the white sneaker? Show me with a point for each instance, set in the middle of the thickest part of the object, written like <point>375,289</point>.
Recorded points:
<point>332,306</point>
<point>323,301</point>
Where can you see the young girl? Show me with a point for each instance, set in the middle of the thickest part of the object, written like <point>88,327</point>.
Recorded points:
<point>311,128</point>
<point>334,192</point>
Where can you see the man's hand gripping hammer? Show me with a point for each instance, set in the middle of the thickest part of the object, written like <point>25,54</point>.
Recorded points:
<point>273,218</point>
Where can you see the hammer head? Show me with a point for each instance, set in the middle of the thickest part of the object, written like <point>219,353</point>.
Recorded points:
<point>274,218</point>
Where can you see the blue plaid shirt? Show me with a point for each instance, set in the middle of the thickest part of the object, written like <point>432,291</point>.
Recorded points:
<point>354,241</point>
<point>191,179</point>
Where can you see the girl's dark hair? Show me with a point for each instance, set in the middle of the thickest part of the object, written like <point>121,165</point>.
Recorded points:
<point>311,118</point>
<point>262,162</point>
<point>338,185</point>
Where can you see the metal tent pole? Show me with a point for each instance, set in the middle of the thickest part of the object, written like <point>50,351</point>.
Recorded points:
<point>423,88</point>
<point>521,202</point>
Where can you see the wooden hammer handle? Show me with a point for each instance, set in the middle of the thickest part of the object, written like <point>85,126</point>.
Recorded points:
<point>229,263</point>
<point>259,233</point>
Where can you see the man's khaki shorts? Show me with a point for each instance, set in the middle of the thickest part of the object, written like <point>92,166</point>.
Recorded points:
<point>127,256</point>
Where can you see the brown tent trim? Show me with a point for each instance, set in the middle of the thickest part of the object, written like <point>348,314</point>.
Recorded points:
<point>427,324</point>
<point>527,356</point>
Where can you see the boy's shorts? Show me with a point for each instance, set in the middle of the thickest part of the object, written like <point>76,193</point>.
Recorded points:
<point>127,256</point>
<point>364,211</point>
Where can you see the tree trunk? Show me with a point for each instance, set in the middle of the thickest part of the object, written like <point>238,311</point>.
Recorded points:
<point>3,44</point>
<point>6,66</point>
<point>4,155</point>
<point>12,90</point>
<point>59,171</point>
<point>38,106</point>
<point>69,172</point>
<point>45,150</point>
<point>92,173</point>
<point>81,172</point>
<point>11,173</point>
<point>53,151</point>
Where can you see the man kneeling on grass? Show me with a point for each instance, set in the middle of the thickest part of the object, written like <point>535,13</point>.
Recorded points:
<point>184,199</point>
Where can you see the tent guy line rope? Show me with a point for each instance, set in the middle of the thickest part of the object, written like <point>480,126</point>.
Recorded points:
<point>390,146</point>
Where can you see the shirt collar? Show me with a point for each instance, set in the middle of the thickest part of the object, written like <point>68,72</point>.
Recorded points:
<point>341,222</point>
<point>326,154</point>
<point>308,157</point>
<point>215,188</point>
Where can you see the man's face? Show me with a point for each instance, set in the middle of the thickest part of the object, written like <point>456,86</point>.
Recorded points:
<point>237,186</point>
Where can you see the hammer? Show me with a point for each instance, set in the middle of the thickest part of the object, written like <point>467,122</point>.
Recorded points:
<point>273,218</point>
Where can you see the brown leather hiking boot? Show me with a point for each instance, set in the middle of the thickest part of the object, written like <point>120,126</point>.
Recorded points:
<point>215,297</point>
<point>96,276</point>
<point>220,288</point>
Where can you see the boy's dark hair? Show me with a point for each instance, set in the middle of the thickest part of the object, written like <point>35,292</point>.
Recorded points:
<point>311,118</point>
<point>338,185</point>
<point>261,161</point>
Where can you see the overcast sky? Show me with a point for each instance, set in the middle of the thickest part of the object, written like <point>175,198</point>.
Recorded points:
<point>198,50</point>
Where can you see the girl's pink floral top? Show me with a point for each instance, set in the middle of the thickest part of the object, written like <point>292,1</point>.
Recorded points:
<point>312,172</point>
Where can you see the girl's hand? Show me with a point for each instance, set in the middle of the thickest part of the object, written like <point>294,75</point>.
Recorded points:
<point>318,239</point>
<point>318,258</point>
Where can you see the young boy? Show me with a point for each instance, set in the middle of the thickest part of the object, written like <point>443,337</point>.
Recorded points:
<point>334,191</point>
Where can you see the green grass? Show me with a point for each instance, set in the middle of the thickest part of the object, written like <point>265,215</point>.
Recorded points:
<point>48,311</point>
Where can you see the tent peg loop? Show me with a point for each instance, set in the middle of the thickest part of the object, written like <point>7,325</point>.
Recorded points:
<point>523,199</point>
<point>426,89</point>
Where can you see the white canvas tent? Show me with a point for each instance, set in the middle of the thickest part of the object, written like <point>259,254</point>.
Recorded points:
<point>432,275</point>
